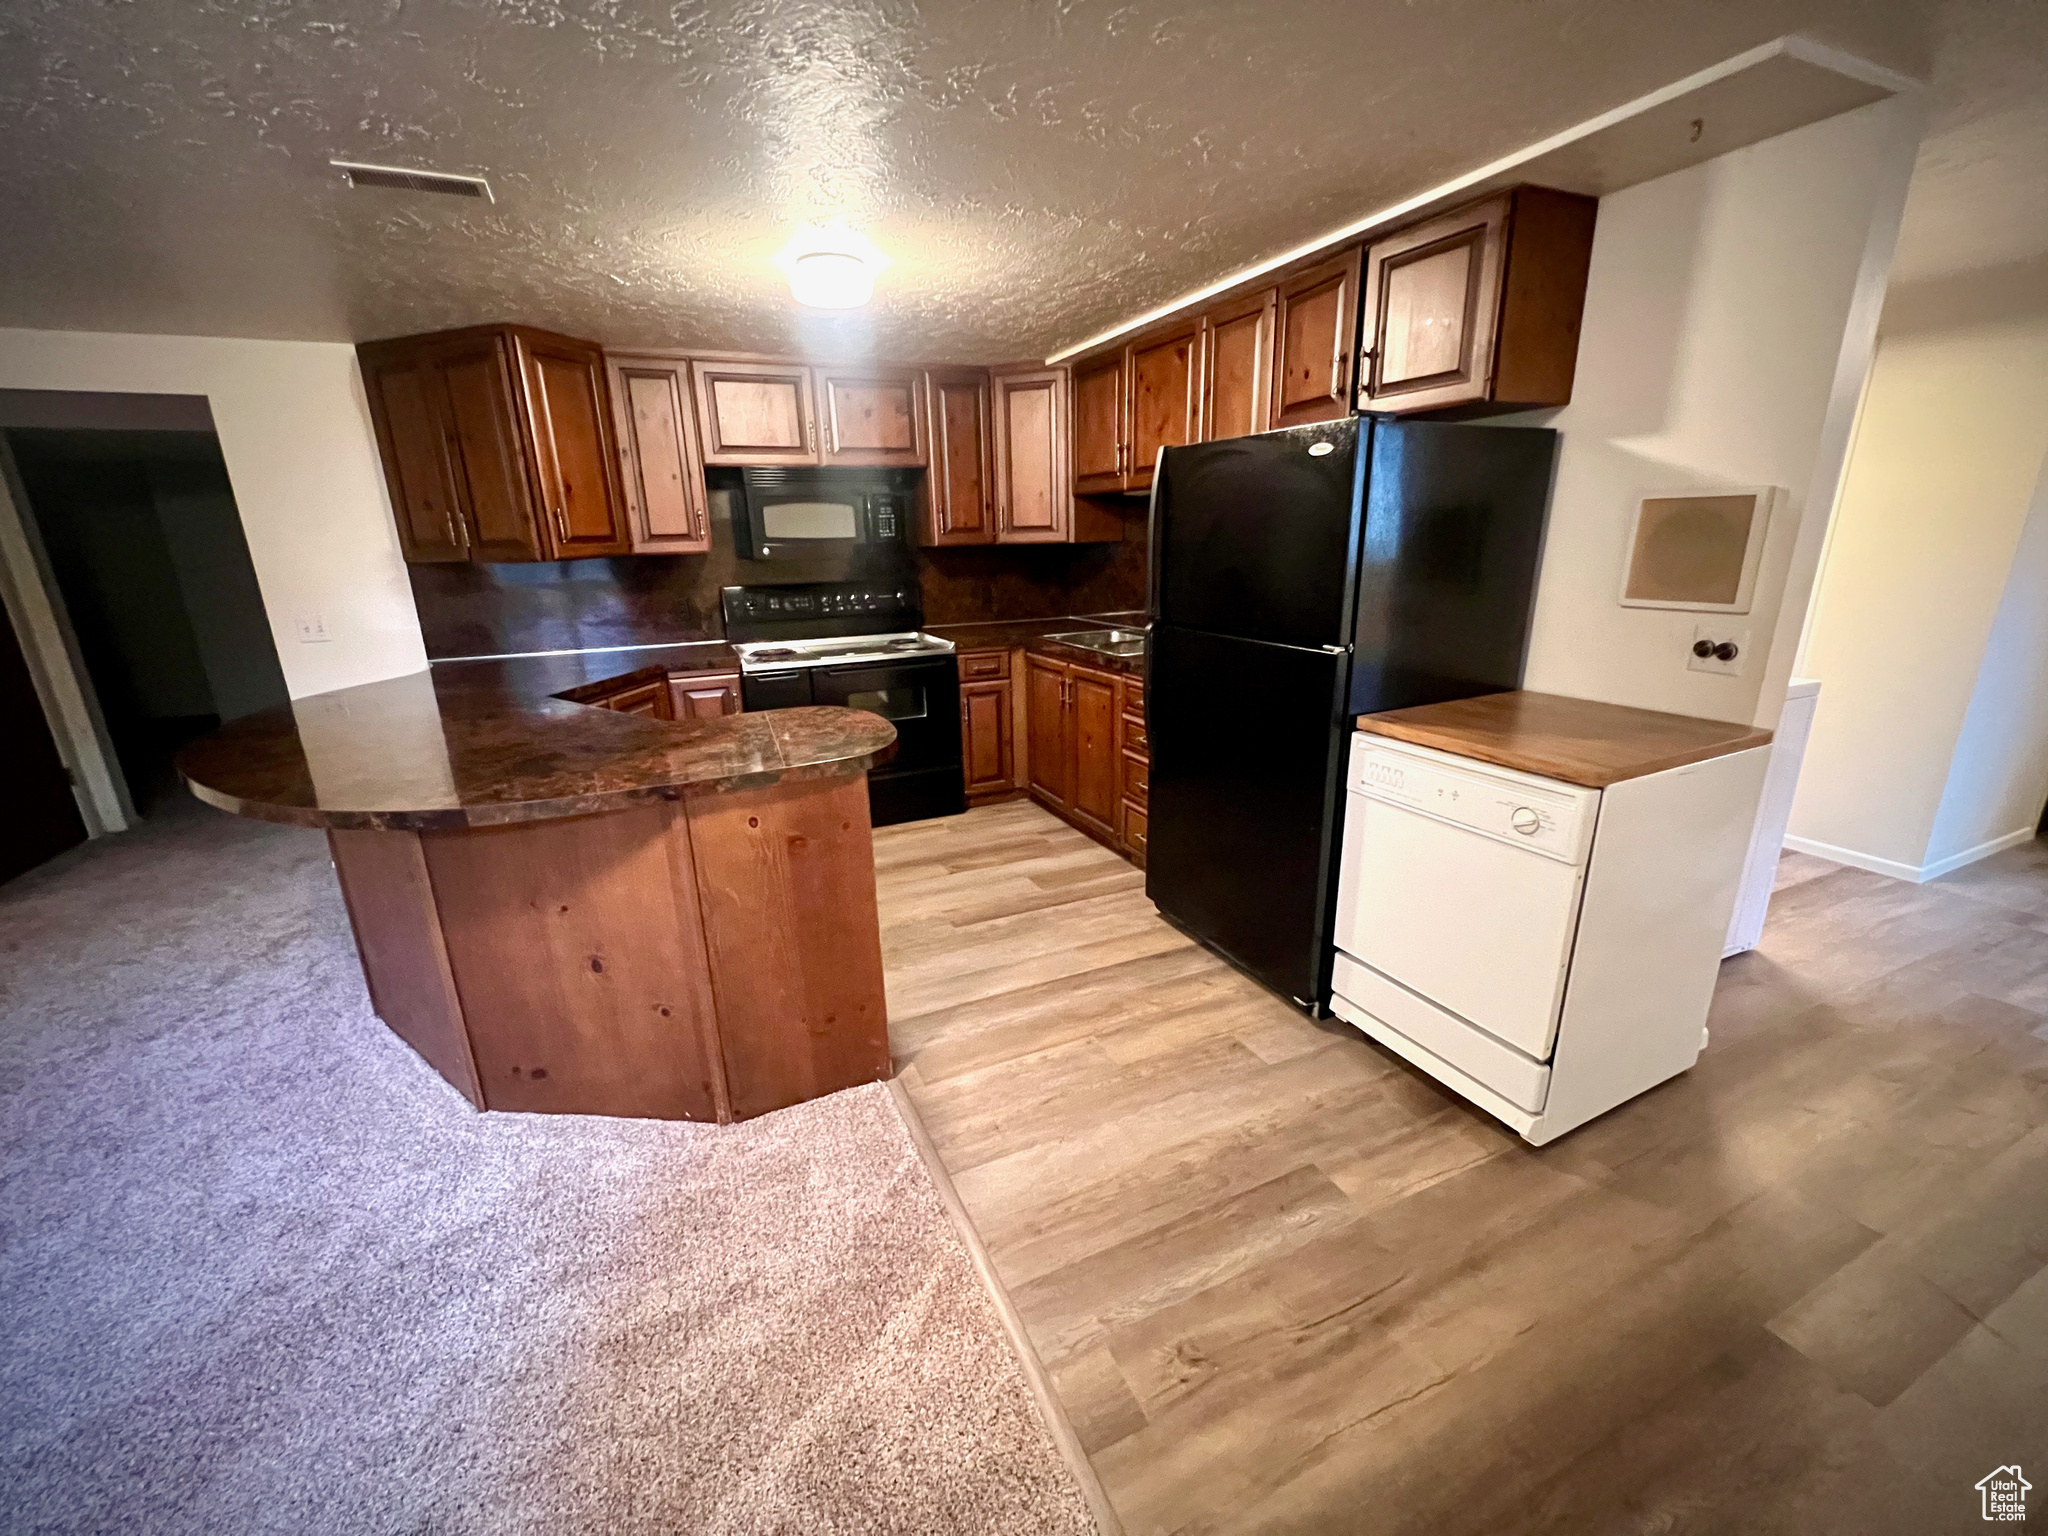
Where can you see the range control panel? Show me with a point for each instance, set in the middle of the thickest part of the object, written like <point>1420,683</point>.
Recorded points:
<point>816,609</point>
<point>1542,816</point>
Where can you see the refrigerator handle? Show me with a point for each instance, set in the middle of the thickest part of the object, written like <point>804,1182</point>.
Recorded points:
<point>1338,650</point>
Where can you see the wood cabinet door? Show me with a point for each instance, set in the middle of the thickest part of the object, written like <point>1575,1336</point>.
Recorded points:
<point>871,417</point>
<point>703,695</point>
<point>1033,500</point>
<point>1237,367</point>
<point>412,438</point>
<point>485,433</point>
<point>572,446</point>
<point>985,752</point>
<point>1165,371</point>
<point>650,699</point>
<point>754,413</point>
<point>1316,324</point>
<point>959,493</point>
<point>1092,711</point>
<point>1051,748</point>
<point>1101,443</point>
<point>1432,298</point>
<point>666,510</point>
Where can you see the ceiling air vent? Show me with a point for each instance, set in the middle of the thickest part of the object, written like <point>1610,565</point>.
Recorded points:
<point>397,179</point>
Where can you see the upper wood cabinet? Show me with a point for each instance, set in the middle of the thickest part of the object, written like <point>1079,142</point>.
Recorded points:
<point>1478,309</point>
<point>1164,367</point>
<point>1101,440</point>
<point>1237,367</point>
<point>960,489</point>
<point>408,405</point>
<point>754,413</point>
<point>1315,327</point>
<point>871,417</point>
<point>663,471</point>
<point>497,445</point>
<point>1034,503</point>
<point>572,444</point>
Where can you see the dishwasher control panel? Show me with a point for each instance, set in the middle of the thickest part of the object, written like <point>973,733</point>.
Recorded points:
<point>1516,808</point>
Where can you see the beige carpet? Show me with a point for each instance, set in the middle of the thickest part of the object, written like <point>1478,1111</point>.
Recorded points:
<point>261,1270</point>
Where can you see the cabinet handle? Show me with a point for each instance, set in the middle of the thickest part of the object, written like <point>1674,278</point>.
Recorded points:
<point>561,523</point>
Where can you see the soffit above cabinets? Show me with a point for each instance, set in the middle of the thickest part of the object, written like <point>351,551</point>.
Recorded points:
<point>1781,85</point>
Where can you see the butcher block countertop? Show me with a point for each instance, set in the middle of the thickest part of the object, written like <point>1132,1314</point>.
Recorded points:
<point>1576,740</point>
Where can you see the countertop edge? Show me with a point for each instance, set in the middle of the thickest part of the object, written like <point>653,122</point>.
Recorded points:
<point>1550,768</point>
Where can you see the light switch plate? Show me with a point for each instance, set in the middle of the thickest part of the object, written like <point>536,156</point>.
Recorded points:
<point>313,629</point>
<point>1714,634</point>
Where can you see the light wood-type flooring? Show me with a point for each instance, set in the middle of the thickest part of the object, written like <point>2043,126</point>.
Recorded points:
<point>1282,1282</point>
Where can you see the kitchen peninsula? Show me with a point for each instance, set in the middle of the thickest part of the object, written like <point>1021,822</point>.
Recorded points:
<point>571,909</point>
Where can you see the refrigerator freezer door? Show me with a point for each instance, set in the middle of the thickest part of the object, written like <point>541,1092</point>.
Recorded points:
<point>1245,779</point>
<point>1454,518</point>
<point>1255,536</point>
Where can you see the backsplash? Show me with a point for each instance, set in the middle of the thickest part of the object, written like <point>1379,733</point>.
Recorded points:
<point>566,605</point>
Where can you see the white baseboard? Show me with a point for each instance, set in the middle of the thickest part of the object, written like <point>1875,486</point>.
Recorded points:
<point>1917,873</point>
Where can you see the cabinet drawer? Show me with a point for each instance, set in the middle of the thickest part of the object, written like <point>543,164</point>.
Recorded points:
<point>981,666</point>
<point>1137,779</point>
<point>1136,741</point>
<point>1134,827</point>
<point>1134,696</point>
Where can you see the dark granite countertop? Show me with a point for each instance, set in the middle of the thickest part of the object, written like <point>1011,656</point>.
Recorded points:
<point>578,675</point>
<point>477,744</point>
<point>1031,635</point>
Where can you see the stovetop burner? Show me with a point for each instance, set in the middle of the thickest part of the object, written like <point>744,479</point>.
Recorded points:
<point>838,650</point>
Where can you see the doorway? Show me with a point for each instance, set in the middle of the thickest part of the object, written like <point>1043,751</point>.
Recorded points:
<point>143,543</point>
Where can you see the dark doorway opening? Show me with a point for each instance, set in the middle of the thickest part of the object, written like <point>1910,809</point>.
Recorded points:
<point>145,544</point>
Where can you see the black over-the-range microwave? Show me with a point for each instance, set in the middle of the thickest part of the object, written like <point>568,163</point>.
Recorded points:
<point>791,514</point>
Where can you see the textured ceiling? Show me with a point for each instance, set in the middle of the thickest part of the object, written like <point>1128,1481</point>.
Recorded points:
<point>1036,171</point>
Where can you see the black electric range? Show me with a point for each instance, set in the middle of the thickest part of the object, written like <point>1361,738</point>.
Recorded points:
<point>860,645</point>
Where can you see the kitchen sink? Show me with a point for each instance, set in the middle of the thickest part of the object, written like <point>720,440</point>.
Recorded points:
<point>1106,642</point>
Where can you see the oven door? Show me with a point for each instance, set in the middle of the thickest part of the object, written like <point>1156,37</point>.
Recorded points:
<point>922,700</point>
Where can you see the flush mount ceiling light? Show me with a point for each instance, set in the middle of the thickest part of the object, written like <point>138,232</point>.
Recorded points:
<point>831,267</point>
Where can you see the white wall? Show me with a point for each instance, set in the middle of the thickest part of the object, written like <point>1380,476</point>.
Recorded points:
<point>295,432</point>
<point>1946,465</point>
<point>1729,318</point>
<point>1998,778</point>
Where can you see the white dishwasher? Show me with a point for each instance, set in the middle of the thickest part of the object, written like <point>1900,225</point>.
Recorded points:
<point>1546,950</point>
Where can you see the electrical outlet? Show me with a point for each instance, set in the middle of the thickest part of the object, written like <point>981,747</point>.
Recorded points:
<point>1726,651</point>
<point>313,629</point>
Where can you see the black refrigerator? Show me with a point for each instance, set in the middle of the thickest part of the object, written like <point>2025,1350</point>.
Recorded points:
<point>1301,578</point>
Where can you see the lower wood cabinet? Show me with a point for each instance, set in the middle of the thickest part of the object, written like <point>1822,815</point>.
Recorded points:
<point>1085,762</point>
<point>1050,776</point>
<point>648,698</point>
<point>703,695</point>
